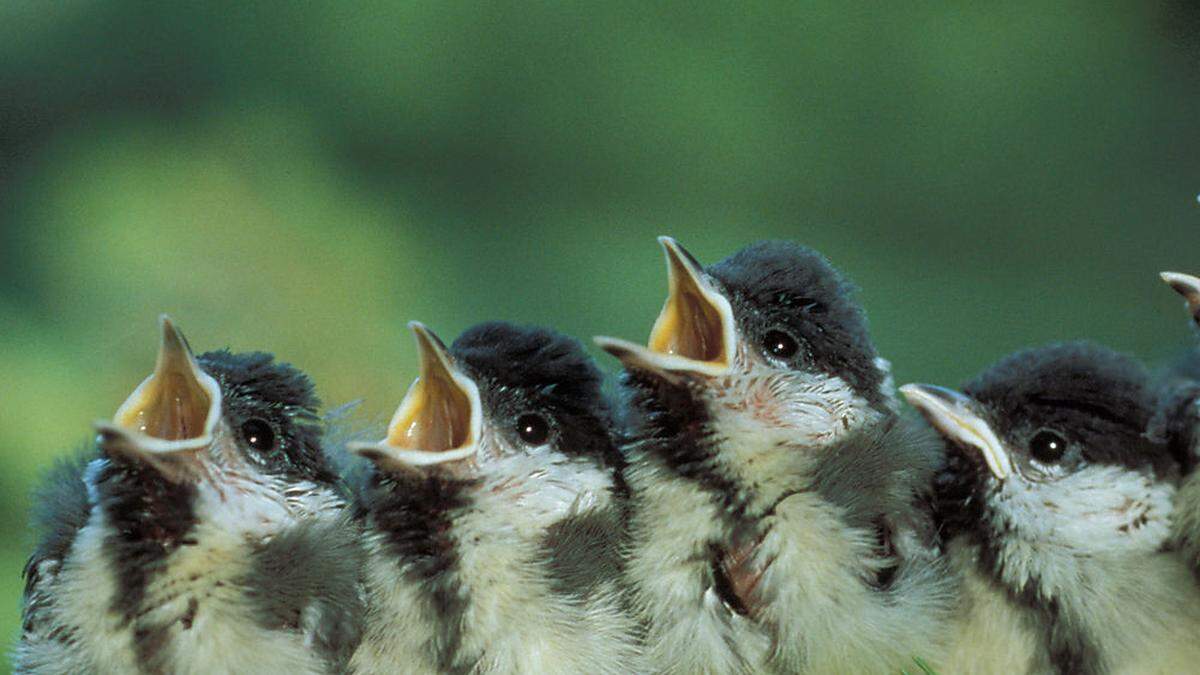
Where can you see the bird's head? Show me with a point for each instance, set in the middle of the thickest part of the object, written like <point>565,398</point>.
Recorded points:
<point>223,419</point>
<point>1178,419</point>
<point>1187,286</point>
<point>769,339</point>
<point>510,411</point>
<point>1052,459</point>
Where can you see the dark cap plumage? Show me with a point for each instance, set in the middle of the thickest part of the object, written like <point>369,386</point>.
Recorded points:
<point>528,366</point>
<point>254,384</point>
<point>1104,399</point>
<point>774,283</point>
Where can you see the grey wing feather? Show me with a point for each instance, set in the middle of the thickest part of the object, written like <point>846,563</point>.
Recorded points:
<point>882,471</point>
<point>60,510</point>
<point>310,577</point>
<point>584,552</point>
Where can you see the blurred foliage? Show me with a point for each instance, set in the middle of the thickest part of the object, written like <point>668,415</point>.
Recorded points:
<point>306,177</point>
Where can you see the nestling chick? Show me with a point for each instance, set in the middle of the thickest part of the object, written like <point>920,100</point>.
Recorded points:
<point>206,537</point>
<point>779,521</point>
<point>1058,506</point>
<point>1178,422</point>
<point>493,515</point>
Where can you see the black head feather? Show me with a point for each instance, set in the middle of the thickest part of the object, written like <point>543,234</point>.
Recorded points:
<point>523,368</point>
<point>782,285</point>
<point>257,387</point>
<point>1098,399</point>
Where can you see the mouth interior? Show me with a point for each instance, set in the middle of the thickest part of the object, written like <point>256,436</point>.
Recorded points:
<point>171,405</point>
<point>689,326</point>
<point>435,416</point>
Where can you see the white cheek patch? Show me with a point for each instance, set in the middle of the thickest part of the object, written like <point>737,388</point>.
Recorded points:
<point>807,409</point>
<point>542,485</point>
<point>1099,509</point>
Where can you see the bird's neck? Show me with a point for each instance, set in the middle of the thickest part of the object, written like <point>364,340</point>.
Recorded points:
<point>1095,568</point>
<point>1106,614</point>
<point>147,518</point>
<point>754,435</point>
<point>477,557</point>
<point>157,530</point>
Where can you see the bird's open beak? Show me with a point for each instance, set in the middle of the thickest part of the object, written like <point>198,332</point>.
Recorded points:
<point>695,332</point>
<point>174,410</point>
<point>1189,287</point>
<point>958,418</point>
<point>439,419</point>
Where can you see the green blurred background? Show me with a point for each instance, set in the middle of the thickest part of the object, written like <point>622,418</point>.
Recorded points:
<point>307,177</point>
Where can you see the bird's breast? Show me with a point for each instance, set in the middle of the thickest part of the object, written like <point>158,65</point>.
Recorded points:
<point>738,570</point>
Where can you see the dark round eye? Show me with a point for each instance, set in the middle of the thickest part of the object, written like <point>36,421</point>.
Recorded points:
<point>779,344</point>
<point>533,428</point>
<point>1047,447</point>
<point>258,434</point>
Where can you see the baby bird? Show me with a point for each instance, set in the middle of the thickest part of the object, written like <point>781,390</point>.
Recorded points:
<point>206,536</point>
<point>1058,505</point>
<point>493,515</point>
<point>779,516</point>
<point>1178,422</point>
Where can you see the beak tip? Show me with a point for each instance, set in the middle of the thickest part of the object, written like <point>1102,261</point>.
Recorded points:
<point>109,435</point>
<point>429,345</point>
<point>920,396</point>
<point>674,251</point>
<point>1184,284</point>
<point>172,338</point>
<point>611,345</point>
<point>363,449</point>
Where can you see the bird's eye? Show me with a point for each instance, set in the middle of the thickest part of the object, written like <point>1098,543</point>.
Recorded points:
<point>533,428</point>
<point>1047,447</point>
<point>258,434</point>
<point>779,344</point>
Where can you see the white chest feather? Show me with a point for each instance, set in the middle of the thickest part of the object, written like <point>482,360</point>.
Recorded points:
<point>195,616</point>
<point>815,612</point>
<point>507,615</point>
<point>1091,543</point>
